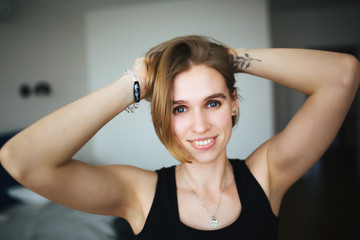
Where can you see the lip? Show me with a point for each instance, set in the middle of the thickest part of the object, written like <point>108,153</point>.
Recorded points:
<point>203,147</point>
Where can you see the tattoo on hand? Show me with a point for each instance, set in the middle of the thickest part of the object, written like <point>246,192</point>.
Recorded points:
<point>242,62</point>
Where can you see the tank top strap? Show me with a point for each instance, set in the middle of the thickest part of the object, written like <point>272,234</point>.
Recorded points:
<point>167,188</point>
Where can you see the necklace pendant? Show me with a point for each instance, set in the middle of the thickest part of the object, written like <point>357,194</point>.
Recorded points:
<point>214,222</point>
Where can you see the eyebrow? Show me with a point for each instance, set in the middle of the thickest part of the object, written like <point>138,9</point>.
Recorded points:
<point>215,95</point>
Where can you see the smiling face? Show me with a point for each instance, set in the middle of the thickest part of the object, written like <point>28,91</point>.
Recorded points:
<point>202,113</point>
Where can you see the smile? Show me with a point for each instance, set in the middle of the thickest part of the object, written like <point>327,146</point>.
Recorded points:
<point>203,143</point>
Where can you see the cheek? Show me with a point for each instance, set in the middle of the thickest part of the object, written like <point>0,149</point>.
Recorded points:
<point>222,119</point>
<point>179,126</point>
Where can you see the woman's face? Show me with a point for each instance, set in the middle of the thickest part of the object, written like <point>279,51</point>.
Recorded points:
<point>201,113</point>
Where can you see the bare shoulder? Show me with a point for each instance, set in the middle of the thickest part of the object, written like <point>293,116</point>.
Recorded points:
<point>263,170</point>
<point>141,182</point>
<point>134,174</point>
<point>258,165</point>
<point>141,186</point>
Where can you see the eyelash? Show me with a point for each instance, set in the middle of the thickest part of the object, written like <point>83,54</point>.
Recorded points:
<point>175,110</point>
<point>218,103</point>
<point>184,109</point>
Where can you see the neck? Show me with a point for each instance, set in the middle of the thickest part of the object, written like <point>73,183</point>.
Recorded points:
<point>205,177</point>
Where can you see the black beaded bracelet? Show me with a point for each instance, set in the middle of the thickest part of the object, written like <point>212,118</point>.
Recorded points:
<point>134,106</point>
<point>137,91</point>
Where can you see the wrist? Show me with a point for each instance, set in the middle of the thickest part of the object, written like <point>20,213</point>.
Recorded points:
<point>137,90</point>
<point>242,59</point>
<point>125,86</point>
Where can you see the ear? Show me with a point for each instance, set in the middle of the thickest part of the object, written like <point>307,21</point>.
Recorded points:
<point>235,103</point>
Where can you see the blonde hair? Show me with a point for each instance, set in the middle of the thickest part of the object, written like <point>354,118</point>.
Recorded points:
<point>170,58</point>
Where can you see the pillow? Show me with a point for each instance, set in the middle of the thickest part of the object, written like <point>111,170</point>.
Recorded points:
<point>26,196</point>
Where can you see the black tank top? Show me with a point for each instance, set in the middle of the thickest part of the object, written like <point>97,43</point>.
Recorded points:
<point>256,220</point>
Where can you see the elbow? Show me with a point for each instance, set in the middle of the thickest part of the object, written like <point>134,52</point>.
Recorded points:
<point>350,73</point>
<point>10,162</point>
<point>4,156</point>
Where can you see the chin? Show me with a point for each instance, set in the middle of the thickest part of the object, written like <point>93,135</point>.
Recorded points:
<point>205,158</point>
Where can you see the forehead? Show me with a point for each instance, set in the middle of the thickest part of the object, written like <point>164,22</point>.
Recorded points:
<point>198,82</point>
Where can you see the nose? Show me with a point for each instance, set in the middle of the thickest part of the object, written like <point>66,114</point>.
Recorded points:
<point>200,122</point>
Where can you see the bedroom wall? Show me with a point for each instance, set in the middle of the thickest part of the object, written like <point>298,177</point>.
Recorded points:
<point>40,41</point>
<point>116,36</point>
<point>78,49</point>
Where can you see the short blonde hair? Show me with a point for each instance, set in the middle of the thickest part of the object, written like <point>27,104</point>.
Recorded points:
<point>170,58</point>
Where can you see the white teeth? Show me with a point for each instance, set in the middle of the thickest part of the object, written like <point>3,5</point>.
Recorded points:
<point>202,143</point>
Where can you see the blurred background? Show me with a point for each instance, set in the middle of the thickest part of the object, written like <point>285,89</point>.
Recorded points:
<point>55,51</point>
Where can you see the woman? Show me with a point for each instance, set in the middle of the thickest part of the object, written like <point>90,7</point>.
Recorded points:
<point>194,104</point>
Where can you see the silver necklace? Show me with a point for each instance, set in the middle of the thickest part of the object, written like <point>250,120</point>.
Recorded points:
<point>214,222</point>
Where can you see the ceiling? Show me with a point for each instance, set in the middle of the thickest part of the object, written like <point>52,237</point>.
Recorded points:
<point>87,5</point>
<point>275,5</point>
<point>290,5</point>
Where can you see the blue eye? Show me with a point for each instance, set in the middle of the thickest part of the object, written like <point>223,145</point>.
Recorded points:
<point>179,110</point>
<point>213,104</point>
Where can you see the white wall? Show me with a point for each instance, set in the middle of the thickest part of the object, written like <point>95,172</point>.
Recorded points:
<point>77,54</point>
<point>40,41</point>
<point>115,37</point>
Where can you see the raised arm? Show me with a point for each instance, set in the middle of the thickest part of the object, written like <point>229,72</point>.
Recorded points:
<point>39,157</point>
<point>330,80</point>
